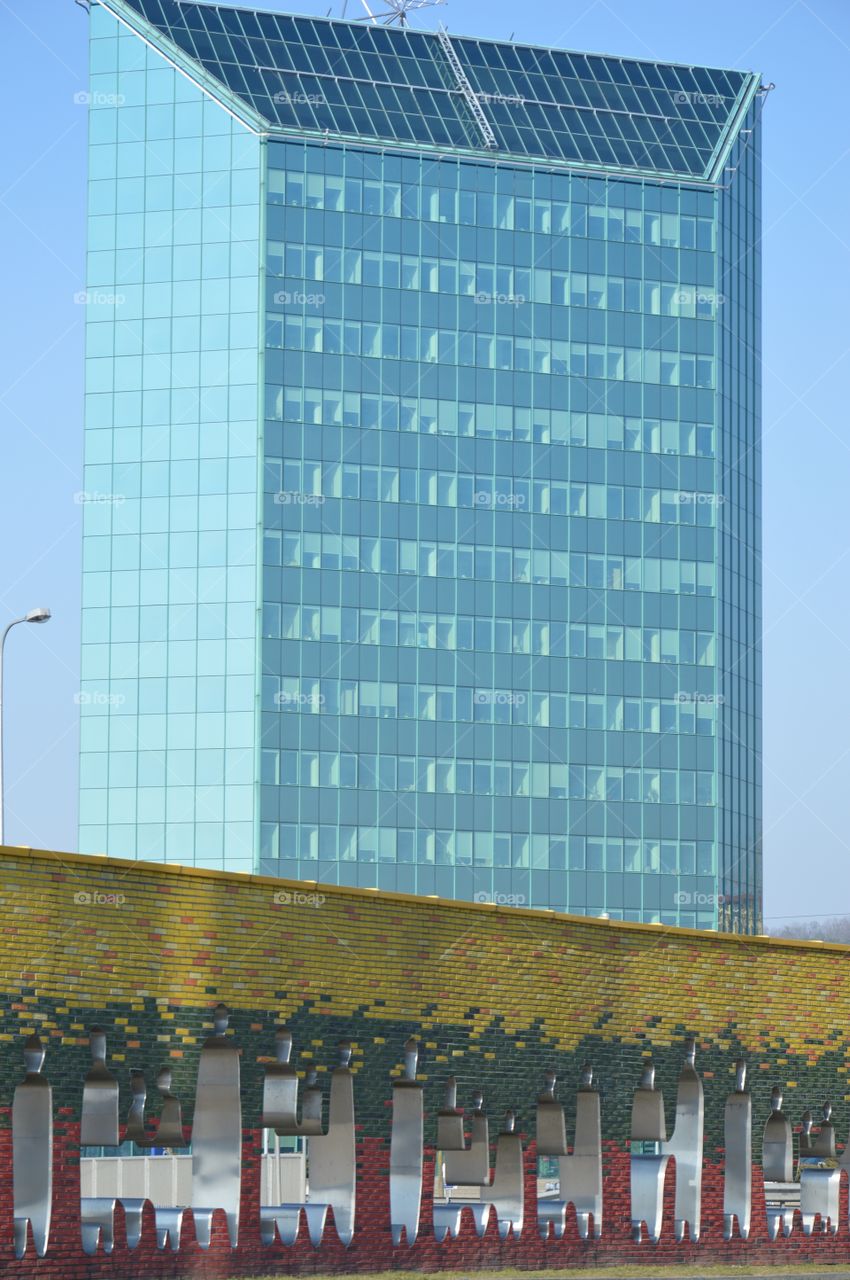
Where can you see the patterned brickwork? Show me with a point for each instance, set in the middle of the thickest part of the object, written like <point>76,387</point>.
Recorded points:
<point>494,995</point>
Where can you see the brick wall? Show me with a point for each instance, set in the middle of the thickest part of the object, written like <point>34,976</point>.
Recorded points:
<point>494,995</point>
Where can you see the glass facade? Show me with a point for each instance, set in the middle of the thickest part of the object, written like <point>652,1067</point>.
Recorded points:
<point>493,562</point>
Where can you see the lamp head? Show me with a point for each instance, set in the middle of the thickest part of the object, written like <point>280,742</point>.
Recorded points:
<point>38,615</point>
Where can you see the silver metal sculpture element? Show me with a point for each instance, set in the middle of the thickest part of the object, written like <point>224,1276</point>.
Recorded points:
<point>280,1094</point>
<point>579,1174</point>
<point>32,1152</point>
<point>470,1167</point>
<point>820,1177</point>
<point>331,1156</point>
<point>738,1141</point>
<point>777,1162</point>
<point>331,1159</point>
<point>462,1165</point>
<point>406,1150</point>
<point>97,1212</point>
<point>685,1146</point>
<point>217,1134</point>
<point>169,1133</point>
<point>99,1120</point>
<point>648,1157</point>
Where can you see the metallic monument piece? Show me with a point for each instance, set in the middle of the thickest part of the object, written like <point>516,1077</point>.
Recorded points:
<point>820,1177</point>
<point>738,1142</point>
<point>331,1158</point>
<point>470,1167</point>
<point>685,1146</point>
<point>579,1174</point>
<point>406,1149</point>
<point>648,1157</point>
<point>777,1162</point>
<point>99,1121</point>
<point>280,1094</point>
<point>169,1133</point>
<point>217,1134</point>
<point>99,1128</point>
<point>32,1152</point>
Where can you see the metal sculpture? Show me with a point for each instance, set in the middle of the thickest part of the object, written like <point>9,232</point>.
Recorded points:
<point>217,1134</point>
<point>99,1120</point>
<point>169,1133</point>
<point>470,1166</point>
<point>738,1140</point>
<point>331,1157</point>
<point>820,1177</point>
<point>579,1174</point>
<point>406,1150</point>
<point>777,1162</point>
<point>280,1094</point>
<point>686,1147</point>
<point>32,1152</point>
<point>648,1157</point>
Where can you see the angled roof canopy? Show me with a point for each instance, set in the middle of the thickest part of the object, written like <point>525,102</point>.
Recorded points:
<point>372,82</point>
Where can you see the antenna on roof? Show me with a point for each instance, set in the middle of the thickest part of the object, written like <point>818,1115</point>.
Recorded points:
<point>397,11</point>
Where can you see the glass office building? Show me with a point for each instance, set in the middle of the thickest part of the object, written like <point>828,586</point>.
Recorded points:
<point>422,464</point>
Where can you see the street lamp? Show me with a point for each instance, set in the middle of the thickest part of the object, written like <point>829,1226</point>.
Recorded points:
<point>34,615</point>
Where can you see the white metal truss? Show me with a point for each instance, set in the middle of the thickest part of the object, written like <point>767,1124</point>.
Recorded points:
<point>466,88</point>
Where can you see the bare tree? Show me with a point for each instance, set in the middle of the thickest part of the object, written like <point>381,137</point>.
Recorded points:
<point>834,929</point>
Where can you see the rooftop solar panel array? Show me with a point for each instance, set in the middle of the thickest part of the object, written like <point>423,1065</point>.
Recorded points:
<point>374,82</point>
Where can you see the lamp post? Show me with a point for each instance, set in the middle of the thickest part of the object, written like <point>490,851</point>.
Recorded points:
<point>34,615</point>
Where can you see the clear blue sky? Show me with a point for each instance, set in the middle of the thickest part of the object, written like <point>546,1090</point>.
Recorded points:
<point>802,45</point>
